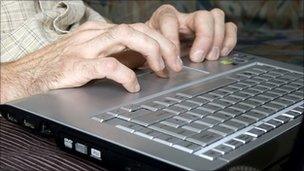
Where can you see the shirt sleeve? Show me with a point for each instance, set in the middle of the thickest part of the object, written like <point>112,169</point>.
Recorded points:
<point>52,21</point>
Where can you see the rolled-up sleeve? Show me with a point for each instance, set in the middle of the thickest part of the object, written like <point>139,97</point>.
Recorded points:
<point>49,21</point>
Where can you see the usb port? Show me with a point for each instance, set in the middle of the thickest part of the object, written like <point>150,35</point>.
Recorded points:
<point>81,148</point>
<point>28,124</point>
<point>95,153</point>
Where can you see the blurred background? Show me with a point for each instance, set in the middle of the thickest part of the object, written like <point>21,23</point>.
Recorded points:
<point>270,28</point>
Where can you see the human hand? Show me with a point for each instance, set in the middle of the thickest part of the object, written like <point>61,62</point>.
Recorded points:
<point>85,54</point>
<point>213,37</point>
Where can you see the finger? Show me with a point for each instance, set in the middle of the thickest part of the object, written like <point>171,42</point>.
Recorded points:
<point>230,38</point>
<point>166,21</point>
<point>219,34</point>
<point>202,23</point>
<point>168,49</point>
<point>120,37</point>
<point>112,69</point>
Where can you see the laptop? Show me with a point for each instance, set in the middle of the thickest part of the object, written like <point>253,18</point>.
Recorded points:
<point>242,110</point>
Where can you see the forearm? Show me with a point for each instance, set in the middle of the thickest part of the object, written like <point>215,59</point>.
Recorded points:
<point>25,77</point>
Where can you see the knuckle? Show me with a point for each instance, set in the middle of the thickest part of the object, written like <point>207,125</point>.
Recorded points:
<point>167,7</point>
<point>203,13</point>
<point>232,25</point>
<point>111,64</point>
<point>153,46</point>
<point>130,77</point>
<point>218,12</point>
<point>123,28</point>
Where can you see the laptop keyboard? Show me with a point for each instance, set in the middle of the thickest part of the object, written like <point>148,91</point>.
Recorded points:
<point>213,122</point>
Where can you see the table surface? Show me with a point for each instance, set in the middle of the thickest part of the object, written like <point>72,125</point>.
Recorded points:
<point>22,150</point>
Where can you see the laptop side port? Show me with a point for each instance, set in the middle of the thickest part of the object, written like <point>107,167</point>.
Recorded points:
<point>28,123</point>
<point>11,118</point>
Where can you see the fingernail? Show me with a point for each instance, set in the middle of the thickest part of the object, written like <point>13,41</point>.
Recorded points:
<point>161,64</point>
<point>179,62</point>
<point>137,87</point>
<point>214,54</point>
<point>225,51</point>
<point>198,56</point>
<point>162,73</point>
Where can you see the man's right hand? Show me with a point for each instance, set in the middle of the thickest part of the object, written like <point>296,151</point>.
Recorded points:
<point>85,54</point>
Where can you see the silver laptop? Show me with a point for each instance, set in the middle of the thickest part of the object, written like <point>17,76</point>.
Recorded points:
<point>240,110</point>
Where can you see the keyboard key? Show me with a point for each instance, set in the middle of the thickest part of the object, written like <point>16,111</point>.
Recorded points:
<point>276,107</point>
<point>147,133</point>
<point>255,132</point>
<point>131,107</point>
<point>220,92</point>
<point>231,111</point>
<point>103,117</point>
<point>204,138</point>
<point>274,123</point>
<point>261,99</point>
<point>291,98</point>
<point>199,101</point>
<point>264,68</point>
<point>177,98</point>
<point>265,127</point>
<point>187,117</point>
<point>223,149</point>
<point>233,125</point>
<point>268,85</point>
<point>283,102</point>
<point>151,118</point>
<point>251,92</point>
<point>130,115</point>
<point>129,127</point>
<point>165,139</point>
<point>175,109</point>
<point>255,115</point>
<point>264,110</point>
<point>239,86</point>
<point>270,95</point>
<point>244,120</point>
<point>248,82</point>
<point>298,109</point>
<point>233,143</point>
<point>210,155</point>
<point>229,89</point>
<point>240,107</point>
<point>240,95</point>
<point>282,118</point>
<point>220,116</point>
<point>209,108</point>
<point>187,105</point>
<point>208,121</point>
<point>174,122</point>
<point>292,114</point>
<point>196,127</point>
<point>251,103</point>
<point>117,112</point>
<point>222,130</point>
<point>166,102</point>
<point>152,106</point>
<point>198,112</point>
<point>232,99</point>
<point>244,138</point>
<point>209,96</point>
<point>221,103</point>
<point>259,88</point>
<point>176,132</point>
<point>186,146</point>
